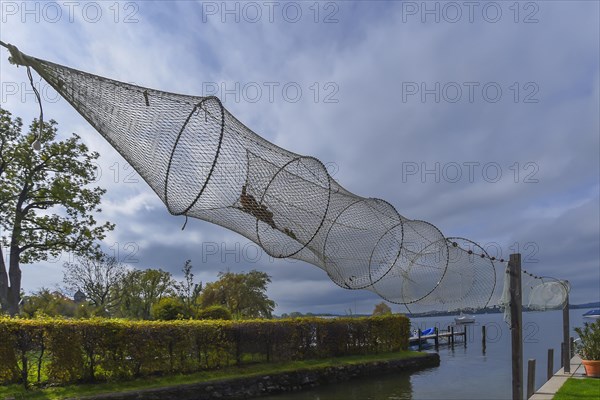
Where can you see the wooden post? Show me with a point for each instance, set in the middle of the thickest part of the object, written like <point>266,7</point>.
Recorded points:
<point>483,335</point>
<point>530,378</point>
<point>550,371</point>
<point>572,342</point>
<point>452,336</point>
<point>465,335</point>
<point>483,338</point>
<point>516,325</point>
<point>566,337</point>
<point>419,337</point>
<point>437,338</point>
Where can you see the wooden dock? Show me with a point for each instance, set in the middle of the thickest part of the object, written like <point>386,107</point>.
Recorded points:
<point>448,336</point>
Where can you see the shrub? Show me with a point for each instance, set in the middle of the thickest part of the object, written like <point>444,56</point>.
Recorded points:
<point>64,351</point>
<point>214,312</point>
<point>589,345</point>
<point>167,309</point>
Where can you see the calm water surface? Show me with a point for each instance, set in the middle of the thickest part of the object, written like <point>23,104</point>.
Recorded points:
<point>465,372</point>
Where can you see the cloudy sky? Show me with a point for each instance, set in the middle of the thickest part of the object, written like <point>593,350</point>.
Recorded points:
<point>479,117</point>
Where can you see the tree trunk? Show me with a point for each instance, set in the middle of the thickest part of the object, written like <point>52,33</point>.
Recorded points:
<point>3,282</point>
<point>14,290</point>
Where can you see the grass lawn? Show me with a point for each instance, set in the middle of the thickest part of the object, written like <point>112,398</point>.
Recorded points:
<point>579,389</point>
<point>18,392</point>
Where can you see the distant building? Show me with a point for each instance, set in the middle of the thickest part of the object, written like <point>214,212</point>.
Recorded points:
<point>79,297</point>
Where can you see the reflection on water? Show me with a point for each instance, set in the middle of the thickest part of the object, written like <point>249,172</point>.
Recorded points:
<point>465,372</point>
<point>389,386</point>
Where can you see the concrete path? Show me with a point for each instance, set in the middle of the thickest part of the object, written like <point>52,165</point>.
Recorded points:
<point>550,388</point>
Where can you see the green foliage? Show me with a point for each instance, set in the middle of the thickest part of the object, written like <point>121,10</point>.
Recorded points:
<point>62,351</point>
<point>382,309</point>
<point>214,312</point>
<point>588,347</point>
<point>140,289</point>
<point>168,309</point>
<point>49,303</point>
<point>46,204</point>
<point>243,294</point>
<point>188,291</point>
<point>298,314</point>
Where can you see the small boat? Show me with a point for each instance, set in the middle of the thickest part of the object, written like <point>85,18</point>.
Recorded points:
<point>415,338</point>
<point>464,319</point>
<point>428,331</point>
<point>592,314</point>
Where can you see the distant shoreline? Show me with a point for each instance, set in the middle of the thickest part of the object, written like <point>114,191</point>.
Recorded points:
<point>492,310</point>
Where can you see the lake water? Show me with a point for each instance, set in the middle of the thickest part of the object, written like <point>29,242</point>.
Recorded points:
<point>464,372</point>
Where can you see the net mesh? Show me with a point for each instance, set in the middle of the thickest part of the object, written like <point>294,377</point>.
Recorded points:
<point>204,163</point>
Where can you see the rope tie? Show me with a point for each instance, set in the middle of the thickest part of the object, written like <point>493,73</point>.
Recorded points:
<point>18,58</point>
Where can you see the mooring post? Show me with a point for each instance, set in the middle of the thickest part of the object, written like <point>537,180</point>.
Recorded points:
<point>550,371</point>
<point>465,335</point>
<point>530,378</point>
<point>483,335</point>
<point>483,338</point>
<point>419,337</point>
<point>566,337</point>
<point>437,338</point>
<point>452,336</point>
<point>572,342</point>
<point>516,330</point>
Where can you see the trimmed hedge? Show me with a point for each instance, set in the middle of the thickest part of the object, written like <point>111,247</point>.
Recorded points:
<point>64,351</point>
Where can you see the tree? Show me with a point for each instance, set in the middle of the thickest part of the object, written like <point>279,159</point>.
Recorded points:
<point>46,204</point>
<point>97,277</point>
<point>243,294</point>
<point>188,291</point>
<point>382,309</point>
<point>47,302</point>
<point>214,312</point>
<point>141,289</point>
<point>168,309</point>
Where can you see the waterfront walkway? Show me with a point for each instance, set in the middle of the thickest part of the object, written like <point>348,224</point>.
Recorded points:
<point>550,388</point>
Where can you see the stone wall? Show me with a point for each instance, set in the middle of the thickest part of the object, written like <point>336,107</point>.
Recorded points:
<point>255,386</point>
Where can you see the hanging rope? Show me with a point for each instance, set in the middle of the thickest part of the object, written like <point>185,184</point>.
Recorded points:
<point>36,143</point>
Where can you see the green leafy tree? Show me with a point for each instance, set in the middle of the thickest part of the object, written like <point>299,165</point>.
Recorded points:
<point>382,309</point>
<point>243,294</point>
<point>141,289</point>
<point>46,204</point>
<point>97,277</point>
<point>188,291</point>
<point>168,309</point>
<point>53,303</point>
<point>47,302</point>
<point>214,312</point>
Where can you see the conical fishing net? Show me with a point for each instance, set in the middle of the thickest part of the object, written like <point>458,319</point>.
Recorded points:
<point>204,163</point>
